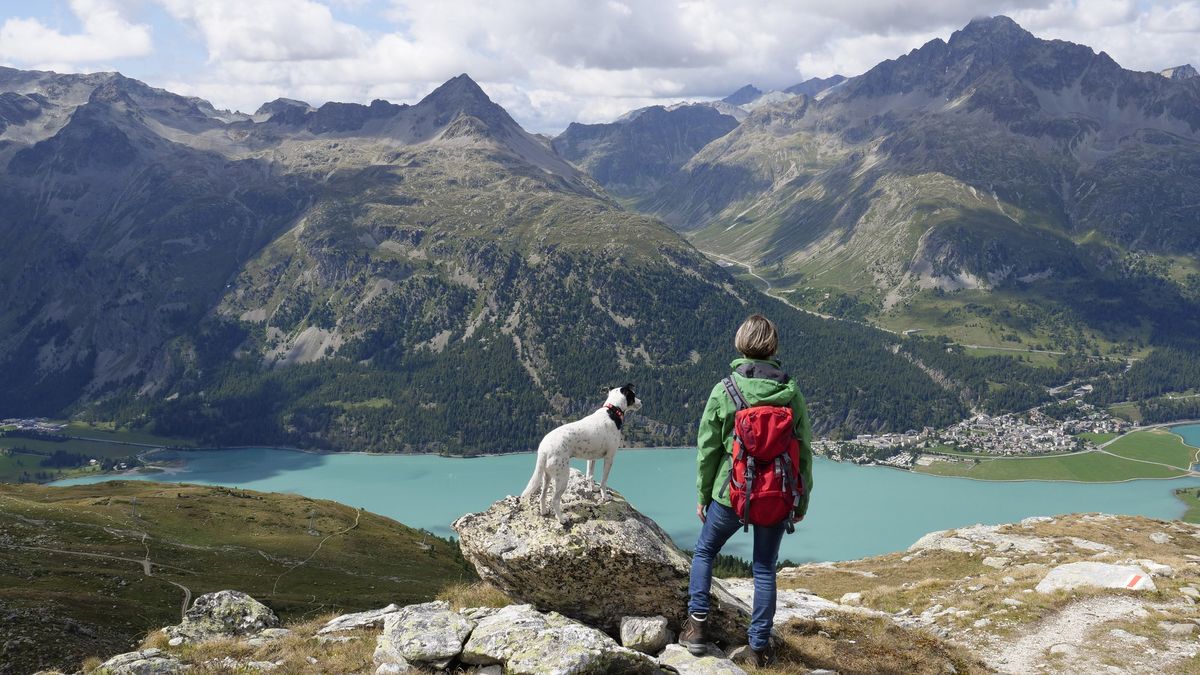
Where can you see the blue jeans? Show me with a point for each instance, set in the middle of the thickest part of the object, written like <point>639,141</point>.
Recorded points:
<point>720,522</point>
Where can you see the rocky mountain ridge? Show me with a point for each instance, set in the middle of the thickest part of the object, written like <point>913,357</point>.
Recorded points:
<point>993,160</point>
<point>347,276</point>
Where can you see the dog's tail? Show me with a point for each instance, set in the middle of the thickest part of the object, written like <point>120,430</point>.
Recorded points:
<point>535,482</point>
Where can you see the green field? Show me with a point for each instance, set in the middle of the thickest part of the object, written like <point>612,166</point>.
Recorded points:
<point>1191,498</point>
<point>1155,445</point>
<point>1126,411</point>
<point>1132,452</point>
<point>73,556</point>
<point>1088,467</point>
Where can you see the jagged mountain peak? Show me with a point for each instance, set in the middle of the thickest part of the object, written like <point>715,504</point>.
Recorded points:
<point>997,27</point>
<point>459,90</point>
<point>746,94</point>
<point>280,105</point>
<point>1184,72</point>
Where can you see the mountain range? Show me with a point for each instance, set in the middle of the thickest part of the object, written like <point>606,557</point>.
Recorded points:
<point>975,175</point>
<point>425,277</point>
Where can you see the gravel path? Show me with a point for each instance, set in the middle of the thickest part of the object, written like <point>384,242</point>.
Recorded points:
<point>1071,626</point>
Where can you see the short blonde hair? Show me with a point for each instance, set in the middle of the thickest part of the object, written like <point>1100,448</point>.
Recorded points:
<point>757,337</point>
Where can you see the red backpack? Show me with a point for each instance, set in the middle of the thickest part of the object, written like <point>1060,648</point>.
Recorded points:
<point>764,483</point>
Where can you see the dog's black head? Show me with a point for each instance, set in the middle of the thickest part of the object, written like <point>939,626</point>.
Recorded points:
<point>630,397</point>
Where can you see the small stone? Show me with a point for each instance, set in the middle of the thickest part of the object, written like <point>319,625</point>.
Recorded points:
<point>175,642</point>
<point>394,669</point>
<point>1160,537</point>
<point>982,623</point>
<point>1180,629</point>
<point>853,599</point>
<point>334,639</point>
<point>1012,602</point>
<point>995,561</point>
<point>646,634</point>
<point>1009,581</point>
<point>490,670</point>
<point>1126,635</point>
<point>1157,569</point>
<point>974,589</point>
<point>1191,592</point>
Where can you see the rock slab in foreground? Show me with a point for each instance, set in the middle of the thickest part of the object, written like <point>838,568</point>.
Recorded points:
<point>526,641</point>
<point>682,662</point>
<point>144,662</point>
<point>368,619</point>
<point>610,561</point>
<point>1097,575</point>
<point>425,634</point>
<point>223,614</point>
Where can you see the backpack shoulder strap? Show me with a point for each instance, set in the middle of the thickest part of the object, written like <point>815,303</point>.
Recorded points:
<point>739,401</point>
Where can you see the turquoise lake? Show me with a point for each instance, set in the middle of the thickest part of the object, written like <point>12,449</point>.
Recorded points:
<point>856,511</point>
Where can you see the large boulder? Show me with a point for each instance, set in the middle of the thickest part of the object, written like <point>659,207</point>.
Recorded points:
<point>425,634</point>
<point>608,562</point>
<point>1095,575</point>
<point>524,640</point>
<point>223,614</point>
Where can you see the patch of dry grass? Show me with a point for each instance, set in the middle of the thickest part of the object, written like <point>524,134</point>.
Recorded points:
<point>478,594</point>
<point>852,644</point>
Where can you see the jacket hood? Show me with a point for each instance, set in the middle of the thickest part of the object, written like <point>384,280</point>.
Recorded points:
<point>763,381</point>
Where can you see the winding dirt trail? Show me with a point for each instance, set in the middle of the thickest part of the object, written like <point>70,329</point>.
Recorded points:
<point>357,517</point>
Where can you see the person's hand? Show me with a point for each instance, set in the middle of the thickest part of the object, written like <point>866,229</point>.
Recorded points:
<point>700,512</point>
<point>797,517</point>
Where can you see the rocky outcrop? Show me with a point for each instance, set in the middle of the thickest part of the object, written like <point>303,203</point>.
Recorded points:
<point>609,562</point>
<point>143,662</point>
<point>524,640</point>
<point>222,614</point>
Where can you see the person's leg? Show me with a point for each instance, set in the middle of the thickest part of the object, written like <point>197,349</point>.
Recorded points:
<point>720,522</point>
<point>766,554</point>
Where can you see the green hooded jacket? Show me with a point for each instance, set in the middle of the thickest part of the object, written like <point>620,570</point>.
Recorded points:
<point>714,441</point>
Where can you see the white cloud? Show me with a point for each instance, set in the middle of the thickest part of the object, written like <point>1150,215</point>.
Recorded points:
<point>268,30</point>
<point>107,35</point>
<point>556,61</point>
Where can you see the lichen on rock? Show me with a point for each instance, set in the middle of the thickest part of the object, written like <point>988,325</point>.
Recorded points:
<point>609,562</point>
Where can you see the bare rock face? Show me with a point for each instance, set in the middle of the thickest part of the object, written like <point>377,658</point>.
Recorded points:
<point>223,614</point>
<point>608,562</point>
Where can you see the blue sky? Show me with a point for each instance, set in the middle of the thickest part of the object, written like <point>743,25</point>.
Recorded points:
<point>549,62</point>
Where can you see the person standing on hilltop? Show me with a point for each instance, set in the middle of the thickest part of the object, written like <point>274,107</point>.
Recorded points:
<point>754,471</point>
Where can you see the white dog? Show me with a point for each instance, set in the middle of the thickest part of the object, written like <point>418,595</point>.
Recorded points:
<point>590,438</point>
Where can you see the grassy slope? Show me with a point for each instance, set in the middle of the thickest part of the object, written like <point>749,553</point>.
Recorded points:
<point>207,539</point>
<point>1151,445</point>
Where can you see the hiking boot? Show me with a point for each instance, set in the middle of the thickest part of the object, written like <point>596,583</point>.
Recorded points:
<point>692,635</point>
<point>746,656</point>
